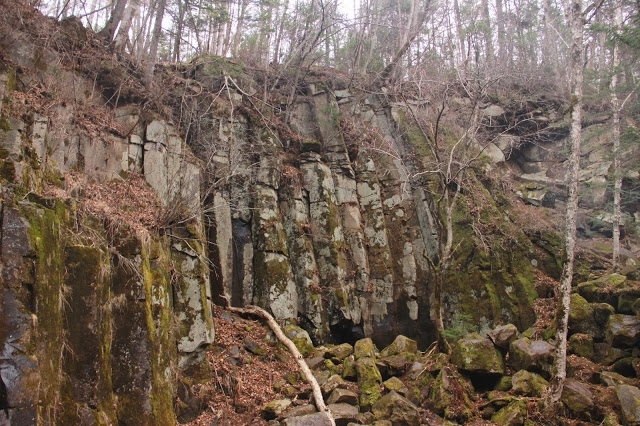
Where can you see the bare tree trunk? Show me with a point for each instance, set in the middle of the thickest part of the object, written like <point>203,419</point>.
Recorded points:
<point>461,37</point>
<point>239,29</point>
<point>276,53</point>
<point>177,41</point>
<point>488,36</point>
<point>501,33</point>
<point>617,173</point>
<point>574,17</point>
<point>155,41</point>
<point>109,30</point>
<point>122,37</point>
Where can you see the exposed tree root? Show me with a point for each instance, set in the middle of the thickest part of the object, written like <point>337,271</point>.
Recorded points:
<point>306,371</point>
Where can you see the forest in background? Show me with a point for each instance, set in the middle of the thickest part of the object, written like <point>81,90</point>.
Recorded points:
<point>426,40</point>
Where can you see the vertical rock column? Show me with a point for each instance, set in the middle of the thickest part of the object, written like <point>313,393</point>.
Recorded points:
<point>273,278</point>
<point>409,247</point>
<point>297,227</point>
<point>380,290</point>
<point>328,241</point>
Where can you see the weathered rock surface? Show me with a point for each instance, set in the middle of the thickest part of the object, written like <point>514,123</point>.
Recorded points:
<point>629,397</point>
<point>369,381</point>
<point>513,414</point>
<point>503,335</point>
<point>397,409</point>
<point>623,331</point>
<point>343,413</point>
<point>528,384</point>
<point>532,355</point>
<point>577,397</point>
<point>316,419</point>
<point>476,354</point>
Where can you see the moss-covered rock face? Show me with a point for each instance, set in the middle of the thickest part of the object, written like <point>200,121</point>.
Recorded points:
<point>97,305</point>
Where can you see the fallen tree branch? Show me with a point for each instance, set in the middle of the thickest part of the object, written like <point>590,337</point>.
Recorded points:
<point>306,371</point>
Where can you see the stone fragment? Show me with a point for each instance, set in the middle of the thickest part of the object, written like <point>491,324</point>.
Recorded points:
<point>577,397</point>
<point>364,348</point>
<point>475,354</point>
<point>274,409</point>
<point>316,419</point>
<point>527,383</point>
<point>623,331</point>
<point>395,384</point>
<point>343,414</point>
<point>397,409</point>
<point>629,397</point>
<point>253,347</point>
<point>369,380</point>
<point>399,345</point>
<point>300,338</point>
<point>331,384</point>
<point>340,395</point>
<point>314,362</point>
<point>503,335</point>
<point>339,352</point>
<point>532,355</point>
<point>513,414</point>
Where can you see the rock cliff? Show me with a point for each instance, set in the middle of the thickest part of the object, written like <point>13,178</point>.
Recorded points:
<point>124,216</point>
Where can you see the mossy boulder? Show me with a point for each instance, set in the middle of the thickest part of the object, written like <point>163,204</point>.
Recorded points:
<point>514,414</point>
<point>528,384</point>
<point>369,381</point>
<point>339,352</point>
<point>582,319</point>
<point>629,397</point>
<point>300,338</point>
<point>532,355</point>
<point>606,289</point>
<point>582,345</point>
<point>449,396</point>
<point>476,354</point>
<point>397,385</point>
<point>503,335</point>
<point>331,384</point>
<point>577,397</point>
<point>343,413</point>
<point>364,348</point>
<point>399,345</point>
<point>345,396</point>
<point>274,409</point>
<point>623,331</point>
<point>397,409</point>
<point>349,368</point>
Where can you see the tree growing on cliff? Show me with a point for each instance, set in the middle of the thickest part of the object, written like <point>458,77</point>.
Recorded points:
<point>575,18</point>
